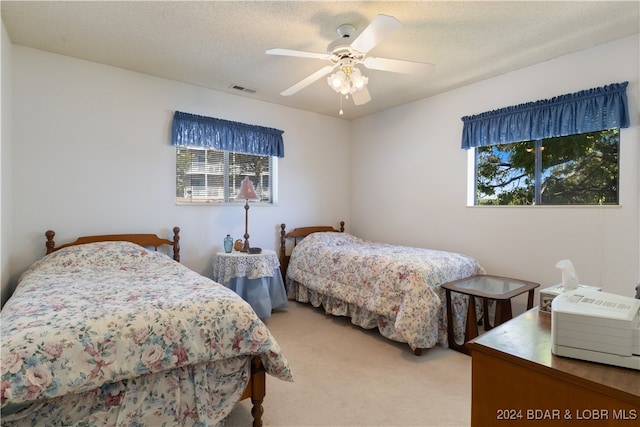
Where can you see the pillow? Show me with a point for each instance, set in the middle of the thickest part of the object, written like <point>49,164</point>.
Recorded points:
<point>330,238</point>
<point>114,255</point>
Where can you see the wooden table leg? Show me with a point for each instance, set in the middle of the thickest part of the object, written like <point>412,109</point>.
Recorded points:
<point>485,316</point>
<point>450,336</point>
<point>530,300</point>
<point>471,330</point>
<point>503,312</point>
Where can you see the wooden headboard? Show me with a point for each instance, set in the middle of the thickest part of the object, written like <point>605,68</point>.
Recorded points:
<point>295,234</point>
<point>146,240</point>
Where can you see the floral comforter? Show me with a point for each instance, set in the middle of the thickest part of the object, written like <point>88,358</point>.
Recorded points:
<point>112,333</point>
<point>394,288</point>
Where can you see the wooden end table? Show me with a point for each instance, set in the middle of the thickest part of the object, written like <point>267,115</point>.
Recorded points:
<point>488,287</point>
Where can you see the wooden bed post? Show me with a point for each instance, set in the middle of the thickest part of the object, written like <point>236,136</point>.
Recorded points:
<point>176,243</point>
<point>283,267</point>
<point>258,390</point>
<point>50,244</point>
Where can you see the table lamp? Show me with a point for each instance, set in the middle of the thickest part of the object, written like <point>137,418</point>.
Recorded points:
<point>247,192</point>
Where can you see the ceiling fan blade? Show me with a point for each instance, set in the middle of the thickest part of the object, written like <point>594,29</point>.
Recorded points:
<point>297,53</point>
<point>307,81</point>
<point>398,66</point>
<point>380,28</point>
<point>361,97</point>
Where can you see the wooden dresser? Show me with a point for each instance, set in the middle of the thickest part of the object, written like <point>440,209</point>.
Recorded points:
<point>517,381</point>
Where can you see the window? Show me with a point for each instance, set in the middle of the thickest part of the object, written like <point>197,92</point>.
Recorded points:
<point>213,156</point>
<point>521,159</point>
<point>214,176</point>
<point>578,169</point>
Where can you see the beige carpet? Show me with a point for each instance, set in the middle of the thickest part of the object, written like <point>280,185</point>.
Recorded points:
<point>347,376</point>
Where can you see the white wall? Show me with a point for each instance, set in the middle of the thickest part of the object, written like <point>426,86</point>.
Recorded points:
<point>409,179</point>
<point>91,155</point>
<point>5,162</point>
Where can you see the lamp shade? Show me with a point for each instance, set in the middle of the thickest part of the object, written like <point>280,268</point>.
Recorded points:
<point>247,192</point>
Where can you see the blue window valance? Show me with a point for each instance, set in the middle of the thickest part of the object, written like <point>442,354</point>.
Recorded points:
<point>585,111</point>
<point>190,130</point>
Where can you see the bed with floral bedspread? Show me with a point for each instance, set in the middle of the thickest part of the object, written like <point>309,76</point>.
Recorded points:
<point>394,288</point>
<point>114,334</point>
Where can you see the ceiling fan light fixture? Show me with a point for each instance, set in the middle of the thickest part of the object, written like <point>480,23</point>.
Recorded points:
<point>336,80</point>
<point>347,80</point>
<point>358,80</point>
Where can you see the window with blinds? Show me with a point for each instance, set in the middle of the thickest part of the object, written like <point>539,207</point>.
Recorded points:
<point>205,176</point>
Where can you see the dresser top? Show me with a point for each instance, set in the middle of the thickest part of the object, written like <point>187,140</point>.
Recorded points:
<point>526,340</point>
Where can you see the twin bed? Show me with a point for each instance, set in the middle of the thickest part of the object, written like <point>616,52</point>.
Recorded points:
<point>394,288</point>
<point>103,331</point>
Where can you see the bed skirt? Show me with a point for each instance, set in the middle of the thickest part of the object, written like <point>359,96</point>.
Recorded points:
<point>386,324</point>
<point>202,394</point>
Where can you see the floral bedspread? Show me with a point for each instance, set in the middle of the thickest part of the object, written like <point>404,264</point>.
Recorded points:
<point>90,319</point>
<point>395,288</point>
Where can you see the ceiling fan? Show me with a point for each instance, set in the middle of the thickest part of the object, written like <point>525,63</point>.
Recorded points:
<point>345,57</point>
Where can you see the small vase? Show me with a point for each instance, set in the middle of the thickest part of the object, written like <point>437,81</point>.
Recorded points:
<point>228,244</point>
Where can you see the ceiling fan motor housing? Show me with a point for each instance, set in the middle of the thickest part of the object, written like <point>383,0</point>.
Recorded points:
<point>341,49</point>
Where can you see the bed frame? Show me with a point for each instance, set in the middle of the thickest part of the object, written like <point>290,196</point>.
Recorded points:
<point>256,388</point>
<point>299,233</point>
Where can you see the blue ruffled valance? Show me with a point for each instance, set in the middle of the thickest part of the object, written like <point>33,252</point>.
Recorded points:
<point>585,111</point>
<point>190,130</point>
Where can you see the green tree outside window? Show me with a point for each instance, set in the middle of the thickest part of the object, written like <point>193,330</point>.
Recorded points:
<point>578,169</point>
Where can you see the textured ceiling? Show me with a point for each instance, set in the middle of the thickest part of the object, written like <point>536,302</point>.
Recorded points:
<point>222,43</point>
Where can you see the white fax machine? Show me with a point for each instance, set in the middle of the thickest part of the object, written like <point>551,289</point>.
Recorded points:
<point>596,326</point>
